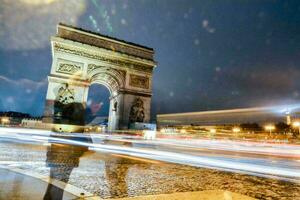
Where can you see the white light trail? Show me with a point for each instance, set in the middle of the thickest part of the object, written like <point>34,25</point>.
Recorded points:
<point>252,166</point>
<point>285,150</point>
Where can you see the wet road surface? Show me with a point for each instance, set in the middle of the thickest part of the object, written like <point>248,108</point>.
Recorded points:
<point>112,174</point>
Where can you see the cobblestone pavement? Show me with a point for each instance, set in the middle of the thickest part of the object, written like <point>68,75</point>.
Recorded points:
<point>112,176</point>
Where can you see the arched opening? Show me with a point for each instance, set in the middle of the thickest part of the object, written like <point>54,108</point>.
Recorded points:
<point>97,105</point>
<point>113,83</point>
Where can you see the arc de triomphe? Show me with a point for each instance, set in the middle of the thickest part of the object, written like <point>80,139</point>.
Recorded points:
<point>82,58</point>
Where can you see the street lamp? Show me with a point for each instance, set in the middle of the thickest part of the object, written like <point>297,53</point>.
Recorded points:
<point>4,120</point>
<point>270,128</point>
<point>288,118</point>
<point>236,129</point>
<point>182,131</point>
<point>297,125</point>
<point>213,130</point>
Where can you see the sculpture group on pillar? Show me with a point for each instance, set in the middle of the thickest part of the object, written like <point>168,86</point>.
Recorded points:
<point>66,110</point>
<point>65,95</point>
<point>137,113</point>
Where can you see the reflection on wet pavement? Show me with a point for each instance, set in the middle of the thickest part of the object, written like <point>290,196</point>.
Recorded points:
<point>62,159</point>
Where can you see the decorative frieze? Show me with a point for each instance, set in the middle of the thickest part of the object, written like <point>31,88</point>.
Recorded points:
<point>118,62</point>
<point>139,81</point>
<point>103,42</point>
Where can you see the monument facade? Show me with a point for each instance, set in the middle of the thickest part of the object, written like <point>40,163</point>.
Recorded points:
<point>82,58</point>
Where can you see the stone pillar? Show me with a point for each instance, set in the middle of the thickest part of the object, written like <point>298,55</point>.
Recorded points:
<point>65,103</point>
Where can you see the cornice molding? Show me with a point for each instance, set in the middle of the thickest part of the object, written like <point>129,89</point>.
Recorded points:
<point>98,40</point>
<point>103,55</point>
<point>134,92</point>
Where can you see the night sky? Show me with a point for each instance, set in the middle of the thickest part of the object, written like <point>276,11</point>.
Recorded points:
<point>211,54</point>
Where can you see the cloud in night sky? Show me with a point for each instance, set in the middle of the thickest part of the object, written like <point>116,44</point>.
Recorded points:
<point>21,94</point>
<point>210,54</point>
<point>28,24</point>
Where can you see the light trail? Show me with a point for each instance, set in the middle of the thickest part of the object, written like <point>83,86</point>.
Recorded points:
<point>284,150</point>
<point>265,167</point>
<point>274,109</point>
<point>261,115</point>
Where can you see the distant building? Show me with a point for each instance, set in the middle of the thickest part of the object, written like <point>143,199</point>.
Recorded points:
<point>259,115</point>
<point>31,122</point>
<point>11,118</point>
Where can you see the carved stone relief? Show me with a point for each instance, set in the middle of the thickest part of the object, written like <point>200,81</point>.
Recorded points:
<point>66,110</point>
<point>137,113</point>
<point>69,67</point>
<point>139,81</point>
<point>65,95</point>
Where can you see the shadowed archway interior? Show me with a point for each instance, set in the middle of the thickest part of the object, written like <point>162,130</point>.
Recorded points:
<point>97,105</point>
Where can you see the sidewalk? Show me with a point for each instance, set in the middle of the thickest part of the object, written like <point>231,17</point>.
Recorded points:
<point>19,186</point>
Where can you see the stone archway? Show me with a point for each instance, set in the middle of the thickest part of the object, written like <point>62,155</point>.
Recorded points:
<point>82,58</point>
<point>113,80</point>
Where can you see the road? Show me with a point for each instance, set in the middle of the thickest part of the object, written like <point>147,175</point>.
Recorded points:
<point>115,165</point>
<point>280,161</point>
